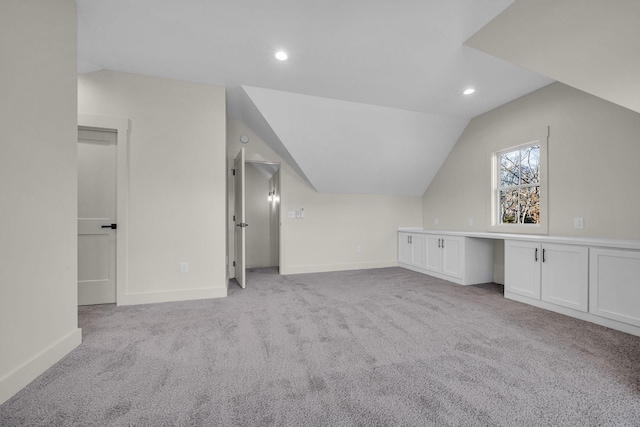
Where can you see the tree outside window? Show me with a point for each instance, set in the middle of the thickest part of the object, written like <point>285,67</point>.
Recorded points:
<point>519,186</point>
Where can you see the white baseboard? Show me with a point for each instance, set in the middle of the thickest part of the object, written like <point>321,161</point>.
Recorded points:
<point>20,377</point>
<point>172,296</point>
<point>336,267</point>
<point>588,317</point>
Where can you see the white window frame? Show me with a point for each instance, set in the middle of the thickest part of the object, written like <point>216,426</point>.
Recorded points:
<point>496,224</point>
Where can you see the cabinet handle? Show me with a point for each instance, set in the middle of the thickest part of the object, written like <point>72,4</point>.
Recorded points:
<point>411,239</point>
<point>543,254</point>
<point>438,242</point>
<point>443,243</point>
<point>536,254</point>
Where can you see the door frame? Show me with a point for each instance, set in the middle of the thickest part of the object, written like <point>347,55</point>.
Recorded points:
<point>239,201</point>
<point>121,126</point>
<point>231,202</point>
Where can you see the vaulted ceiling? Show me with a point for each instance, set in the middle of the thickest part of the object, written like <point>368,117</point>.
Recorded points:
<point>370,99</point>
<point>592,45</point>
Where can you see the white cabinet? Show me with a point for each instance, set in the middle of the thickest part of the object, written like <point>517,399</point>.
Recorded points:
<point>558,274</point>
<point>444,255</point>
<point>522,268</point>
<point>565,276</point>
<point>417,249</point>
<point>404,248</point>
<point>597,280</point>
<point>463,260</point>
<point>411,249</point>
<point>615,284</point>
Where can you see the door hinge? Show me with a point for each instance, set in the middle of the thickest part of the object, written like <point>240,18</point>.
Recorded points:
<point>234,171</point>
<point>234,263</point>
<point>234,217</point>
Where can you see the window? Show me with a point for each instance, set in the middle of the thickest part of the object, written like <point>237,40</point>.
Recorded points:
<point>519,189</point>
<point>519,186</point>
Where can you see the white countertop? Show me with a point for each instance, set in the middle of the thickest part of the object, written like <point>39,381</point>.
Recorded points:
<point>583,241</point>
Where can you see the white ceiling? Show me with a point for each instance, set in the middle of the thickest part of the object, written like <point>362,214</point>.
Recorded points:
<point>592,45</point>
<point>403,55</point>
<point>338,144</point>
<point>266,169</point>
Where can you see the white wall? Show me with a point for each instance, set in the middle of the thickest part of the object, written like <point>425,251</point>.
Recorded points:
<point>257,210</point>
<point>334,224</point>
<point>592,162</point>
<point>38,189</point>
<point>591,45</point>
<point>274,219</point>
<point>176,181</point>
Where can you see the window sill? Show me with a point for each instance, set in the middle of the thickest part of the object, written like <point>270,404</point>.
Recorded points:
<point>540,229</point>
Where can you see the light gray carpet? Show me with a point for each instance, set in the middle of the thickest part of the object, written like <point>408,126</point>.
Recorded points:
<point>374,347</point>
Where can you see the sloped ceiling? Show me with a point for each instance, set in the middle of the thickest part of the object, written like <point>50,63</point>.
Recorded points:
<point>592,45</point>
<point>346,147</point>
<point>266,169</point>
<point>373,80</point>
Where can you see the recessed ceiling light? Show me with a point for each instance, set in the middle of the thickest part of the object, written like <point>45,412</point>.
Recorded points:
<point>469,91</point>
<point>281,55</point>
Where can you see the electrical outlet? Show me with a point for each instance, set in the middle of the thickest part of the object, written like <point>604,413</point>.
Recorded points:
<point>578,223</point>
<point>184,267</point>
<point>291,214</point>
<point>358,249</point>
<point>470,222</point>
<point>435,221</point>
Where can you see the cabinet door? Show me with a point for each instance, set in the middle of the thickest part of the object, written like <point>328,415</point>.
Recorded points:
<point>522,268</point>
<point>452,250</point>
<point>404,248</point>
<point>614,283</point>
<point>565,276</point>
<point>418,257</point>
<point>433,255</point>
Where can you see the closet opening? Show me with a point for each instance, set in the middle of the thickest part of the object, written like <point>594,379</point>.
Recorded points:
<point>262,212</point>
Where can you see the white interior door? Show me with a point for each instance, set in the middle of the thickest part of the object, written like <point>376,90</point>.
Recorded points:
<point>240,224</point>
<point>97,163</point>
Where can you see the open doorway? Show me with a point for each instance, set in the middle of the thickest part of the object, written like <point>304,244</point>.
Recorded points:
<point>262,206</point>
<point>256,216</point>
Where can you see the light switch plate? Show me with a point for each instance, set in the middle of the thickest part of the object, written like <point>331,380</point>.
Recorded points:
<point>578,223</point>
<point>292,214</point>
